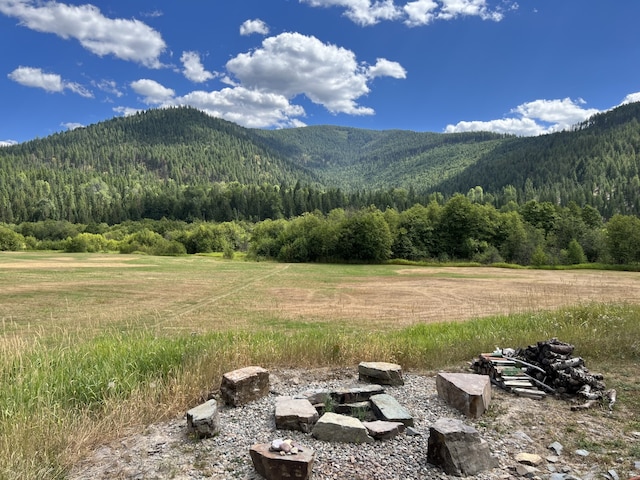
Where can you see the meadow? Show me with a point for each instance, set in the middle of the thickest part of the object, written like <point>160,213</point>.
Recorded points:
<point>95,346</point>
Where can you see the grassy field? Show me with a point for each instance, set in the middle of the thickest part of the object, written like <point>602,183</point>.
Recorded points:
<point>95,345</point>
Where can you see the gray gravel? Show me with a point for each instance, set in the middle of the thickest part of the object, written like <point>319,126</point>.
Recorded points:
<point>164,451</point>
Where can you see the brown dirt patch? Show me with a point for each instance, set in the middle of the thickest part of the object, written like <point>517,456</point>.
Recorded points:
<point>419,295</point>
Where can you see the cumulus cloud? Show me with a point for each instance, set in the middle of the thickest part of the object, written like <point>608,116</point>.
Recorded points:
<point>254,26</point>
<point>415,13</point>
<point>532,118</point>
<point>420,12</point>
<point>126,39</point>
<point>193,68</point>
<point>293,64</point>
<point>7,143</point>
<point>264,82</point>
<point>51,82</point>
<point>152,92</point>
<point>386,68</point>
<point>631,98</point>
<point>362,12</point>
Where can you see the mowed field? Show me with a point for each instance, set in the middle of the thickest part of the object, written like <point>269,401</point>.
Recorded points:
<point>43,293</point>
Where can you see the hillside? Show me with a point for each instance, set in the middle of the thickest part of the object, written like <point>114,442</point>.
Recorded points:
<point>597,163</point>
<point>181,163</point>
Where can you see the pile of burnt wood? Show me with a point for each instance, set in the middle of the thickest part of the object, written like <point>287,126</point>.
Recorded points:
<point>550,367</point>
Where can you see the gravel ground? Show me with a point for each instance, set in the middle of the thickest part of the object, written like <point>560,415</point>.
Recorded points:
<point>512,425</point>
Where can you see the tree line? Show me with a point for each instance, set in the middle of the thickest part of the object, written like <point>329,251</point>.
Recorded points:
<point>457,229</point>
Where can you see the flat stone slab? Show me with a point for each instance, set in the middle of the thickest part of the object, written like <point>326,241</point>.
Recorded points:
<point>468,393</point>
<point>204,420</point>
<point>244,385</point>
<point>382,373</point>
<point>387,408</point>
<point>381,430</point>
<point>274,466</point>
<point>295,414</point>
<point>355,394</point>
<point>332,427</point>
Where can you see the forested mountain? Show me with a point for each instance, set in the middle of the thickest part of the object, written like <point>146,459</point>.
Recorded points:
<point>596,164</point>
<point>180,163</point>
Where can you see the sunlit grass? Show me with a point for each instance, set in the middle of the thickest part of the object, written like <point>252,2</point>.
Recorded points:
<point>90,352</point>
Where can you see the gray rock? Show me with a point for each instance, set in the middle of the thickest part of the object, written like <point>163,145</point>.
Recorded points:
<point>613,474</point>
<point>274,466</point>
<point>526,471</point>
<point>556,447</point>
<point>458,449</point>
<point>582,453</point>
<point>531,459</point>
<point>381,430</point>
<point>204,420</point>
<point>382,373</point>
<point>244,385</point>
<point>332,427</point>
<point>467,392</point>
<point>387,408</point>
<point>295,414</point>
<point>355,394</point>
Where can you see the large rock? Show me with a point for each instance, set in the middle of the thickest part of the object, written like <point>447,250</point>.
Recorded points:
<point>244,385</point>
<point>332,427</point>
<point>274,466</point>
<point>382,373</point>
<point>467,392</point>
<point>387,408</point>
<point>295,414</point>
<point>458,449</point>
<point>204,420</point>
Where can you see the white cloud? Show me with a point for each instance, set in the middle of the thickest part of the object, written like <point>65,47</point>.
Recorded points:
<point>362,12</point>
<point>386,68</point>
<point>415,13</point>
<point>420,12</point>
<point>292,64</point>
<point>263,83</point>
<point>254,26</point>
<point>7,143</point>
<point>533,118</point>
<point>632,97</point>
<point>248,107</point>
<point>468,8</point>
<point>193,68</point>
<point>108,86</point>
<point>130,40</point>
<point>126,111</point>
<point>152,92</point>
<point>72,125</point>
<point>51,82</point>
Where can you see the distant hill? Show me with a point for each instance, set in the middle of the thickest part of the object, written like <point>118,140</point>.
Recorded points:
<point>182,163</point>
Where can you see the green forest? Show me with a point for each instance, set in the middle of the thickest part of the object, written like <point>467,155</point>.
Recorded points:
<point>174,181</point>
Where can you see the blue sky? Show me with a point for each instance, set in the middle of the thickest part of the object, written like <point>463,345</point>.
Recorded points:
<point>527,68</point>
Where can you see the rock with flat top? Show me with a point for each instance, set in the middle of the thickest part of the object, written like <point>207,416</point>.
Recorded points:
<point>274,466</point>
<point>381,430</point>
<point>332,427</point>
<point>295,414</point>
<point>244,385</point>
<point>531,459</point>
<point>387,408</point>
<point>204,420</point>
<point>382,373</point>
<point>467,392</point>
<point>458,449</point>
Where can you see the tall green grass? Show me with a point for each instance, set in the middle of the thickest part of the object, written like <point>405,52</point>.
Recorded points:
<point>57,398</point>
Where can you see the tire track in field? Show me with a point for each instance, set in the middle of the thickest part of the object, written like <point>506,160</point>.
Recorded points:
<point>232,291</point>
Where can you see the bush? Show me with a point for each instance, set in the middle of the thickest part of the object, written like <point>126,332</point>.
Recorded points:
<point>10,240</point>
